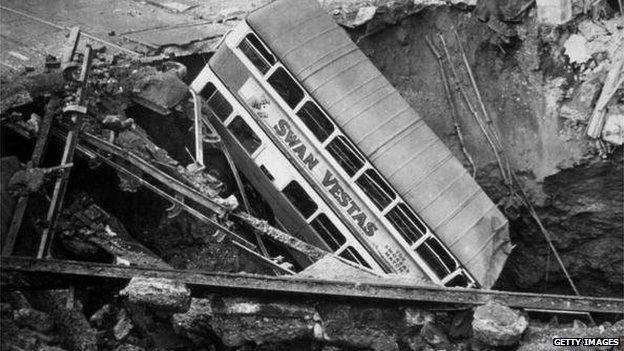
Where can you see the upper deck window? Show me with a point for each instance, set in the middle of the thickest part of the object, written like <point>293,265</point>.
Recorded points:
<point>344,153</point>
<point>315,120</point>
<point>404,221</point>
<point>376,188</point>
<point>352,255</point>
<point>328,231</point>
<point>216,102</point>
<point>300,199</point>
<point>436,257</point>
<point>257,53</point>
<point>286,87</point>
<point>243,133</point>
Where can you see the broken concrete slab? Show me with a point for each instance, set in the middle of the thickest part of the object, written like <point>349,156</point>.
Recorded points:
<point>576,49</point>
<point>34,319</point>
<point>160,294</point>
<point>554,12</point>
<point>156,90</point>
<point>613,130</point>
<point>497,325</point>
<point>580,106</point>
<point>180,35</point>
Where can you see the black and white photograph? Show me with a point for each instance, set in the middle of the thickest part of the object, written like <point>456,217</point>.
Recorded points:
<point>313,175</point>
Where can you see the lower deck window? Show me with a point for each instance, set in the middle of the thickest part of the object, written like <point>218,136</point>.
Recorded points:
<point>215,102</point>
<point>406,223</point>
<point>459,280</point>
<point>243,133</point>
<point>352,255</point>
<point>300,199</point>
<point>328,231</point>
<point>436,257</point>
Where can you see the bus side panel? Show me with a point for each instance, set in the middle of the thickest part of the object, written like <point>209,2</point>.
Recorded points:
<point>232,73</point>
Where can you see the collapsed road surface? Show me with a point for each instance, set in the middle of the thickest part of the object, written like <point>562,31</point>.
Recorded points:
<point>160,244</point>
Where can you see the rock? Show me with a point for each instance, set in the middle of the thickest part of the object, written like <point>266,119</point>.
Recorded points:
<point>435,337</point>
<point>613,129</point>
<point>364,14</point>
<point>461,326</point>
<point>590,30</point>
<point>498,325</point>
<point>554,12</point>
<point>160,294</point>
<point>6,310</point>
<point>124,325</point>
<point>33,319</point>
<point>97,319</point>
<point>580,106</point>
<point>417,318</point>
<point>195,323</point>
<point>576,49</point>
<point>26,182</point>
<point>129,347</point>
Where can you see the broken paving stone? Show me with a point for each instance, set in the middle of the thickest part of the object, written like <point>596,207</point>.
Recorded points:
<point>33,319</point>
<point>613,129</point>
<point>157,293</point>
<point>580,106</point>
<point>590,30</point>
<point>496,325</point>
<point>435,337</point>
<point>554,12</point>
<point>576,49</point>
<point>123,326</point>
<point>99,317</point>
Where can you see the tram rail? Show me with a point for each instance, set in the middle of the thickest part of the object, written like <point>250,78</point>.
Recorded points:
<point>298,287</point>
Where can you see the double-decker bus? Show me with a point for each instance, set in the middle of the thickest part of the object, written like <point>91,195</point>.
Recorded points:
<point>342,159</point>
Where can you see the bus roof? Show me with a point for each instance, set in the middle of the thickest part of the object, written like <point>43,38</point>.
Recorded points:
<point>388,131</point>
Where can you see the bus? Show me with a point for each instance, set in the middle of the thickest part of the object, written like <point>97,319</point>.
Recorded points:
<point>342,159</point>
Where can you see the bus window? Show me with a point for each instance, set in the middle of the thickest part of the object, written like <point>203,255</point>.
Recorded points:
<point>257,53</point>
<point>286,87</point>
<point>352,255</point>
<point>436,257</point>
<point>326,229</point>
<point>376,188</point>
<point>344,153</point>
<point>410,227</point>
<point>216,102</point>
<point>300,199</point>
<point>458,280</point>
<point>248,139</point>
<point>315,120</point>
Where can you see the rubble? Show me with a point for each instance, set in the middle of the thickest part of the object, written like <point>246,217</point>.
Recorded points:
<point>580,105</point>
<point>35,320</point>
<point>498,325</point>
<point>613,130</point>
<point>159,294</point>
<point>554,12</point>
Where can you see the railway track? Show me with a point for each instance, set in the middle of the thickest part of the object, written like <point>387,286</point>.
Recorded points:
<point>328,290</point>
